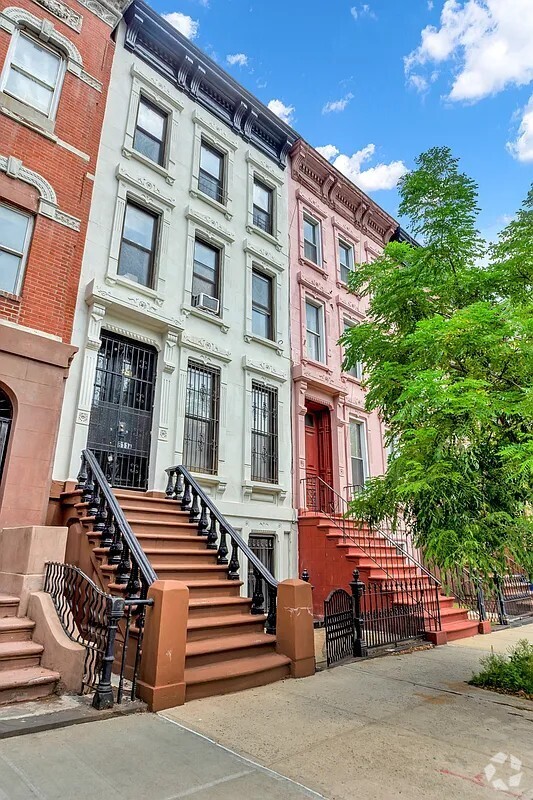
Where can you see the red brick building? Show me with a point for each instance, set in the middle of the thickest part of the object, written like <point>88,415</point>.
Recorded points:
<point>55,63</point>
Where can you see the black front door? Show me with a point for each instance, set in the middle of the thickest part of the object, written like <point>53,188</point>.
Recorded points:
<point>121,413</point>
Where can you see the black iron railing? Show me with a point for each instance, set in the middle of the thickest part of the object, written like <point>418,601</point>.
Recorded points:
<point>223,538</point>
<point>96,621</point>
<point>386,549</point>
<point>133,569</point>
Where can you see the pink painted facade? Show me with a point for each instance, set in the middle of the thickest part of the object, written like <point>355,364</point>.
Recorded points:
<point>329,421</point>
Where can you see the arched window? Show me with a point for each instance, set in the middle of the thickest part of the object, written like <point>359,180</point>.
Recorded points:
<point>6,418</point>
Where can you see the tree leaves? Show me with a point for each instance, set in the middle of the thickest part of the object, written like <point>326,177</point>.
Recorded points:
<point>448,351</point>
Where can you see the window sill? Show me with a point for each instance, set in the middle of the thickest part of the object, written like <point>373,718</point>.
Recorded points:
<point>318,364</point>
<point>252,337</point>
<point>199,195</point>
<point>15,298</point>
<point>352,378</point>
<point>129,152</point>
<point>28,116</point>
<point>250,488</point>
<point>317,267</point>
<point>138,287</point>
<point>205,315</point>
<point>268,237</point>
<point>210,481</point>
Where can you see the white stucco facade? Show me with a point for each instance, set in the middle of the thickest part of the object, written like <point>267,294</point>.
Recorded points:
<point>163,316</point>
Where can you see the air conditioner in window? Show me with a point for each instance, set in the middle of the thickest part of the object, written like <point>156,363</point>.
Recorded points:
<point>205,302</point>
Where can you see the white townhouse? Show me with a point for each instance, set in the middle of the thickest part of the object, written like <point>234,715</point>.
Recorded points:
<point>182,317</point>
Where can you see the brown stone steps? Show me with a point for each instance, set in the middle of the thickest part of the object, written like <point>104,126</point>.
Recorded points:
<point>245,645</point>
<point>140,499</point>
<point>189,572</point>
<point>235,674</point>
<point>448,615</point>
<point>180,557</point>
<point>230,625</point>
<point>8,605</point>
<point>460,629</point>
<point>29,683</point>
<point>19,654</point>
<point>16,629</point>
<point>213,588</point>
<point>156,541</point>
<point>181,527</point>
<point>172,514</point>
<point>202,607</point>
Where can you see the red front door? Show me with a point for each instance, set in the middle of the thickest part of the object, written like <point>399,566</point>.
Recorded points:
<point>317,457</point>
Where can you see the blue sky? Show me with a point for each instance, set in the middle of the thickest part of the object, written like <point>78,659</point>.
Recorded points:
<point>381,81</point>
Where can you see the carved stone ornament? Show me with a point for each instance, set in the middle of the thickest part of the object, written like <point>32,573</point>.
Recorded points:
<point>63,12</point>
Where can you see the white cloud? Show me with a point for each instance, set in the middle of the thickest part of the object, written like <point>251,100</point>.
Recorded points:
<point>382,176</point>
<point>488,42</point>
<point>183,23</point>
<point>337,105</point>
<point>430,5</point>
<point>363,10</point>
<point>522,147</point>
<point>282,111</point>
<point>238,58</point>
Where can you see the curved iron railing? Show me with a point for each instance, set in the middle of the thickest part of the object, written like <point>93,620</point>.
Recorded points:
<point>133,569</point>
<point>387,554</point>
<point>181,486</point>
<point>91,618</point>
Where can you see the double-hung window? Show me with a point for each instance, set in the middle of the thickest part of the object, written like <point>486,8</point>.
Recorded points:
<point>345,260</point>
<point>34,74</point>
<point>263,205</point>
<point>264,433</point>
<point>357,370</point>
<point>202,405</point>
<point>262,318</point>
<point>358,453</point>
<point>312,240</point>
<point>150,131</point>
<point>314,321</point>
<point>211,174</point>
<point>15,233</point>
<point>139,240</point>
<point>206,270</point>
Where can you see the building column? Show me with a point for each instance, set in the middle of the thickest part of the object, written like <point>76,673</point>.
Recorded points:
<point>300,410</point>
<point>164,421</point>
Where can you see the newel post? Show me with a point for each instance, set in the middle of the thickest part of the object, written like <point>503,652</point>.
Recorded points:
<point>295,636</point>
<point>161,681</point>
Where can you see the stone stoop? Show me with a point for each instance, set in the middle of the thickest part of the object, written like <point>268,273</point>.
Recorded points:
<point>227,649</point>
<point>21,675</point>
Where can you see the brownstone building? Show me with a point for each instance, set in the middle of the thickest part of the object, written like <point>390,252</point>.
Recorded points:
<point>55,63</point>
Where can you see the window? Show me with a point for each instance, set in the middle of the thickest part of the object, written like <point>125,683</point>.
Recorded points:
<point>262,305</point>
<point>206,268</point>
<point>34,74</point>
<point>211,177</point>
<point>202,403</point>
<point>264,433</point>
<point>15,232</point>
<point>263,201</point>
<point>137,250</point>
<point>314,319</point>
<point>150,131</point>
<point>312,240</point>
<point>346,260</point>
<point>357,370</point>
<point>358,451</point>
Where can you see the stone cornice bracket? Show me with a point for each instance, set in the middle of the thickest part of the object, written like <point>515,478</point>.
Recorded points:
<point>63,12</point>
<point>171,341</point>
<point>251,119</point>
<point>196,79</point>
<point>183,72</point>
<point>132,30</point>
<point>109,13</point>
<point>238,114</point>
<point>14,168</point>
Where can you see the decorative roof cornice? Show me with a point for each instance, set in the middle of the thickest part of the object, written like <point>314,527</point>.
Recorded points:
<point>154,40</point>
<point>321,178</point>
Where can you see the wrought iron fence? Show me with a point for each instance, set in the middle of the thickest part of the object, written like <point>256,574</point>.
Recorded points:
<point>221,536</point>
<point>97,621</point>
<point>384,547</point>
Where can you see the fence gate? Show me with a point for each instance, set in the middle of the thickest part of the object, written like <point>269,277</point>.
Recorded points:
<point>339,625</point>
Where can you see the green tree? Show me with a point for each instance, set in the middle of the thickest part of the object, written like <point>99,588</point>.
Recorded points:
<point>448,351</point>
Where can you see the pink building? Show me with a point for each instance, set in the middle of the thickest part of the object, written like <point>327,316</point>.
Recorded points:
<point>333,226</point>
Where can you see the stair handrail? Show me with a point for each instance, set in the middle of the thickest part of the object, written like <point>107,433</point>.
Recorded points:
<point>343,504</point>
<point>108,516</point>
<point>184,488</point>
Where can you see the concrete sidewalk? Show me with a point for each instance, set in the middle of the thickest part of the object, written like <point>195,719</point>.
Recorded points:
<point>404,726</point>
<point>141,757</point>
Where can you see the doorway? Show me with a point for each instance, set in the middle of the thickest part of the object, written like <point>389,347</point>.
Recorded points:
<point>318,457</point>
<point>121,414</point>
<point>6,418</point>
